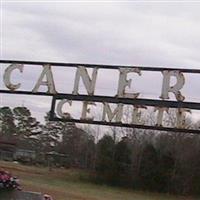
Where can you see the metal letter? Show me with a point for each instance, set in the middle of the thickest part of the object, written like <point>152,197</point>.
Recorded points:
<point>89,83</point>
<point>123,82</point>
<point>160,114</point>
<point>7,74</point>
<point>87,110</point>
<point>166,88</point>
<point>117,113</point>
<point>60,106</point>
<point>136,115</point>
<point>49,80</point>
<point>181,117</point>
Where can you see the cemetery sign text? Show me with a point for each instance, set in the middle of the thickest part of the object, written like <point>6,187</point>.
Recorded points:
<point>113,107</point>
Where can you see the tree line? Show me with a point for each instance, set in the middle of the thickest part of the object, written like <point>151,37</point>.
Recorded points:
<point>140,159</point>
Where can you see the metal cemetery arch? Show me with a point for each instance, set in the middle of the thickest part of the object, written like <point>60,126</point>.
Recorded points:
<point>121,98</point>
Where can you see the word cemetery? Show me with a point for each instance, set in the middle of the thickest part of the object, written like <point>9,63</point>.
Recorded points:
<point>112,110</point>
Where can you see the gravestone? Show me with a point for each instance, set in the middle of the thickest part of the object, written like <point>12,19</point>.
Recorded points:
<point>19,195</point>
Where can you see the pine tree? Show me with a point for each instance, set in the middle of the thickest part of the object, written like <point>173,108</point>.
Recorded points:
<point>27,126</point>
<point>7,123</point>
<point>51,134</point>
<point>27,129</point>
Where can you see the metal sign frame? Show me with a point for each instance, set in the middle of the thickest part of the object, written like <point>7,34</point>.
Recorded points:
<point>109,99</point>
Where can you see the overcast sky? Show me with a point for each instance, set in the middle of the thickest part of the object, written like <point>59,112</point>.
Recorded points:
<point>127,33</point>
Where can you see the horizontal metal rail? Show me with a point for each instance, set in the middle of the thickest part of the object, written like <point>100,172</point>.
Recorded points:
<point>25,92</point>
<point>143,68</point>
<point>96,98</point>
<point>119,124</point>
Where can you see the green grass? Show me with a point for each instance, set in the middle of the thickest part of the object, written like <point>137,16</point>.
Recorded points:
<point>66,185</point>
